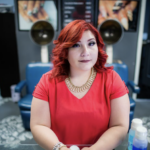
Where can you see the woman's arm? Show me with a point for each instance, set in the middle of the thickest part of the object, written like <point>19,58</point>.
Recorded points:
<point>118,126</point>
<point>40,124</point>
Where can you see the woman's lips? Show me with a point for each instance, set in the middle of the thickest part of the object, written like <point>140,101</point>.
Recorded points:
<point>84,61</point>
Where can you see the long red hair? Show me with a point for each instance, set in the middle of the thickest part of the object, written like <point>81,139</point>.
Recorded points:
<point>70,35</point>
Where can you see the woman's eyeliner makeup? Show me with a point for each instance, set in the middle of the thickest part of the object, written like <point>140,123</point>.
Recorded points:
<point>91,42</point>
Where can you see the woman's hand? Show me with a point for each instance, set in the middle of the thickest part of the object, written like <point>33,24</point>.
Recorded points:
<point>64,148</point>
<point>120,10</point>
<point>86,148</point>
<point>32,11</point>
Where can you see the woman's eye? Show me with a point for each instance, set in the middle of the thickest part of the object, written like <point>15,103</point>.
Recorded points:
<point>92,43</point>
<point>76,45</point>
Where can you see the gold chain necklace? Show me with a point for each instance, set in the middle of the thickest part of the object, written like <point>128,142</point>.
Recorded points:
<point>85,86</point>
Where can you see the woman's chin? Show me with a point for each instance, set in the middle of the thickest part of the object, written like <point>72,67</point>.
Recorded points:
<point>86,68</point>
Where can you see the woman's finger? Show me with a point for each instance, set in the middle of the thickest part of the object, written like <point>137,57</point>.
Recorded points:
<point>45,15</point>
<point>25,4</point>
<point>122,17</point>
<point>101,19</point>
<point>36,8</point>
<point>130,8</point>
<point>109,7</point>
<point>102,9</point>
<point>111,13</point>
<point>118,5</point>
<point>42,3</point>
<point>33,18</point>
<point>40,16</point>
<point>30,7</point>
<point>23,14</point>
<point>133,5</point>
<point>85,148</point>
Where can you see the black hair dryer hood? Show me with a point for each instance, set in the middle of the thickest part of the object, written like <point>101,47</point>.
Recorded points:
<point>111,31</point>
<point>42,33</point>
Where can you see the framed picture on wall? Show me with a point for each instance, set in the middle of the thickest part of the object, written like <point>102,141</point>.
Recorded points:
<point>30,11</point>
<point>125,11</point>
<point>77,9</point>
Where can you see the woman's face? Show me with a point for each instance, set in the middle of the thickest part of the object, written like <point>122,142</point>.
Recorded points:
<point>83,55</point>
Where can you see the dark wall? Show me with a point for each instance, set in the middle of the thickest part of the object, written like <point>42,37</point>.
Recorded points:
<point>144,77</point>
<point>9,66</point>
<point>147,17</point>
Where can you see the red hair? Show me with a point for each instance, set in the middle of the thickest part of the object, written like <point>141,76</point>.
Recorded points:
<point>70,35</point>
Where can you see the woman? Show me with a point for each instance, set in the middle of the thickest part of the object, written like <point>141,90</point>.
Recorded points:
<point>80,101</point>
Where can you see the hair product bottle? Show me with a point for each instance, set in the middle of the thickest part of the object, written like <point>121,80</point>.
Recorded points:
<point>135,123</point>
<point>140,140</point>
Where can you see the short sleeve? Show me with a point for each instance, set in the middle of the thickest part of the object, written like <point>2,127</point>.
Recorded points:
<point>41,89</point>
<point>118,86</point>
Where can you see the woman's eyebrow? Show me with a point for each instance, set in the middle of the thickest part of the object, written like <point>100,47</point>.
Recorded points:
<point>89,39</point>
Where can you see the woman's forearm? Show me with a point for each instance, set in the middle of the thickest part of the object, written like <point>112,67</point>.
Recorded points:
<point>44,136</point>
<point>110,139</point>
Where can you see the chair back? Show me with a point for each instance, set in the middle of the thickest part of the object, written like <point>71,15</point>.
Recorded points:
<point>34,72</point>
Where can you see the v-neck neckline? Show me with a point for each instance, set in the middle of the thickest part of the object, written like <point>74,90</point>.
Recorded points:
<point>85,94</point>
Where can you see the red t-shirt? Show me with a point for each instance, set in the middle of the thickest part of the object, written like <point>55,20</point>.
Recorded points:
<point>80,121</point>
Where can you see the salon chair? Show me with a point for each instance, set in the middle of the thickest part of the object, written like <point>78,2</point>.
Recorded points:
<point>34,72</point>
<point>122,70</point>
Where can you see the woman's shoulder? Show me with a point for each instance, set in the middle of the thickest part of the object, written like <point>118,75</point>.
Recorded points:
<point>48,73</point>
<point>108,75</point>
<point>109,72</point>
<point>47,77</point>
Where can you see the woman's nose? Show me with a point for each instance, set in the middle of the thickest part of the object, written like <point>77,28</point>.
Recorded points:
<point>85,51</point>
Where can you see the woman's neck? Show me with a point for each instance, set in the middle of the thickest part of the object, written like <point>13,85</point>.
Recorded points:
<point>79,77</point>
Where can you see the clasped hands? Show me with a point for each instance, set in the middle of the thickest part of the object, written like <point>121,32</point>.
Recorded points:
<point>84,148</point>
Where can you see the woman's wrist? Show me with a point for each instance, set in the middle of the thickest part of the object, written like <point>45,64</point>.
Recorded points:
<point>63,147</point>
<point>58,146</point>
